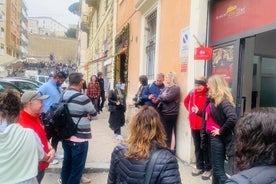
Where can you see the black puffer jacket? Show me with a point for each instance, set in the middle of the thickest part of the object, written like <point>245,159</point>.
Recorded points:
<point>255,175</point>
<point>128,171</point>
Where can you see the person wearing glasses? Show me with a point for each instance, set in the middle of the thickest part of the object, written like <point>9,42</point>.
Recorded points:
<point>30,118</point>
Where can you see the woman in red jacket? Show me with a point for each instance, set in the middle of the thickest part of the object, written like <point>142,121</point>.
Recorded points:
<point>196,99</point>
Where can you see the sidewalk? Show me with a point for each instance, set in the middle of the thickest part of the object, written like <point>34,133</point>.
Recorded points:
<point>100,147</point>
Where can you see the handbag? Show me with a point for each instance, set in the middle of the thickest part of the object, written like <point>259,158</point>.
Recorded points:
<point>150,165</point>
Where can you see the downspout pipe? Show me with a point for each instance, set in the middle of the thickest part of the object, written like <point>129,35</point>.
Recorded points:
<point>207,64</point>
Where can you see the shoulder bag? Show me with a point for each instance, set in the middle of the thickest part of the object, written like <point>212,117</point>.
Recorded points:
<point>150,165</point>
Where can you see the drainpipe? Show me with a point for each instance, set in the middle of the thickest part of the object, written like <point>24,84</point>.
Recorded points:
<point>114,32</point>
<point>207,64</point>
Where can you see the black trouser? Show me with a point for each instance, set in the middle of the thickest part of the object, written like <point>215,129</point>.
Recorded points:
<point>169,123</point>
<point>49,133</point>
<point>95,102</point>
<point>54,143</point>
<point>202,154</point>
<point>117,131</point>
<point>218,155</point>
<point>101,101</point>
<point>40,176</point>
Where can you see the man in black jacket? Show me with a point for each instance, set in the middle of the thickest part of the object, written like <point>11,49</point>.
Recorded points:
<point>102,96</point>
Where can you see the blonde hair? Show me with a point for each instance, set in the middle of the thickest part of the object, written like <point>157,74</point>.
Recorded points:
<point>219,90</point>
<point>145,128</point>
<point>172,76</point>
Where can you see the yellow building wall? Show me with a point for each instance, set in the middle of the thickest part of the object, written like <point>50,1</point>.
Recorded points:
<point>174,17</point>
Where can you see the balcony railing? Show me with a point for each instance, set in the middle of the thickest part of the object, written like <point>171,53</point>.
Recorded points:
<point>24,38</point>
<point>93,3</point>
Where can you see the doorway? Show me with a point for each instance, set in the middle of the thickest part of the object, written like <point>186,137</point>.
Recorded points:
<point>258,72</point>
<point>121,71</point>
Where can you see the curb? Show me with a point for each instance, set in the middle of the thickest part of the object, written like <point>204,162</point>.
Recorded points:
<point>94,167</point>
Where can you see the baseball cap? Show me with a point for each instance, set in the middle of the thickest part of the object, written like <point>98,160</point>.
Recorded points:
<point>32,95</point>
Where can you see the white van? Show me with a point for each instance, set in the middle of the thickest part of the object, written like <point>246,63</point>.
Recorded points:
<point>40,78</point>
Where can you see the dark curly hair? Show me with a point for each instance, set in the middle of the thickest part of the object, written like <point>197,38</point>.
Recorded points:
<point>10,106</point>
<point>143,80</point>
<point>256,139</point>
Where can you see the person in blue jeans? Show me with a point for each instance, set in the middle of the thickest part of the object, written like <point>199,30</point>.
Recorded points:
<point>76,147</point>
<point>220,121</point>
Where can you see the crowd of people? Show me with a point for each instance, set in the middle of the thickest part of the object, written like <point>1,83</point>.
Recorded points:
<point>47,68</point>
<point>147,154</point>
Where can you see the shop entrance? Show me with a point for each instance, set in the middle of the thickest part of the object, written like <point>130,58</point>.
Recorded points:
<point>258,71</point>
<point>121,69</point>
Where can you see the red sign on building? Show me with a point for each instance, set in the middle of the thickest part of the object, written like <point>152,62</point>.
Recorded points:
<point>203,53</point>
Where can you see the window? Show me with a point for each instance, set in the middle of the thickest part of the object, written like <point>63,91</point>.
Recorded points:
<point>98,19</point>
<point>150,30</point>
<point>2,33</point>
<point>106,5</point>
<point>2,50</point>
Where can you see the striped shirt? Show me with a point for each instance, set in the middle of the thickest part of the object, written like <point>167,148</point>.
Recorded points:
<point>80,106</point>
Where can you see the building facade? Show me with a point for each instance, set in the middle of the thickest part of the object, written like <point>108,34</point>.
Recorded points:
<point>2,27</point>
<point>125,39</point>
<point>24,30</point>
<point>150,39</point>
<point>96,38</point>
<point>46,26</point>
<point>242,34</point>
<point>153,36</point>
<point>13,28</point>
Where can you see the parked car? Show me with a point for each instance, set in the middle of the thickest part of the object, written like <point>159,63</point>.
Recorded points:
<point>27,79</point>
<point>40,78</point>
<point>22,83</point>
<point>5,85</point>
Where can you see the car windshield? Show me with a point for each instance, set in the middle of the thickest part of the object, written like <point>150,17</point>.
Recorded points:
<point>6,86</point>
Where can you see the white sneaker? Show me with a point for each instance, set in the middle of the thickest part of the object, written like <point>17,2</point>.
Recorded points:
<point>55,161</point>
<point>58,156</point>
<point>85,179</point>
<point>119,137</point>
<point>59,181</point>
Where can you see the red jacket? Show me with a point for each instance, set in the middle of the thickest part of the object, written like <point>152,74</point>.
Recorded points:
<point>199,99</point>
<point>33,122</point>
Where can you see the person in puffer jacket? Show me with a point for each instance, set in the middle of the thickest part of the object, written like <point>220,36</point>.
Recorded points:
<point>255,148</point>
<point>130,158</point>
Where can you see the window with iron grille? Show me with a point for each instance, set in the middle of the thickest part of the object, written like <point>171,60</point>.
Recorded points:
<point>150,44</point>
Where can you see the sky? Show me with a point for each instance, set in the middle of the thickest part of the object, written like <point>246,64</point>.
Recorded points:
<point>56,9</point>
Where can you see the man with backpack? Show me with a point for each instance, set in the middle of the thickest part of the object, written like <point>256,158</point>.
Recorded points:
<point>76,147</point>
<point>53,89</point>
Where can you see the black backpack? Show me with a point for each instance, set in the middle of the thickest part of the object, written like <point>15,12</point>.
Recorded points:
<point>58,121</point>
